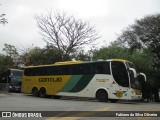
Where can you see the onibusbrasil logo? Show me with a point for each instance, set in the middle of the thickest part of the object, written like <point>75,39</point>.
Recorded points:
<point>21,114</point>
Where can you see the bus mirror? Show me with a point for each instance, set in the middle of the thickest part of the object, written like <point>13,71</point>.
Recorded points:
<point>134,72</point>
<point>142,74</point>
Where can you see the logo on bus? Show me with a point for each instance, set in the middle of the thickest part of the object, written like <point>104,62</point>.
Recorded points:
<point>58,79</point>
<point>119,94</point>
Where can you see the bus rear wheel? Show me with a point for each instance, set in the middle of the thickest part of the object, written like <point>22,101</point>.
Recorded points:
<point>102,95</point>
<point>35,91</point>
<point>42,93</point>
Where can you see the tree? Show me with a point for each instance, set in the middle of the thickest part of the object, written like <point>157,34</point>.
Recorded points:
<point>65,32</point>
<point>11,52</point>
<point>144,33</point>
<point>35,56</point>
<point>47,55</point>
<point>51,54</point>
<point>111,52</point>
<point>2,19</point>
<point>40,56</point>
<point>82,55</point>
<point>5,63</point>
<point>10,59</point>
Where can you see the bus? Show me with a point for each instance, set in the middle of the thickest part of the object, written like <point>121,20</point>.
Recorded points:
<point>12,77</point>
<point>112,79</point>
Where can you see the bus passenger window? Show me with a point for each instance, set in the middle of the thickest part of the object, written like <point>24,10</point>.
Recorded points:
<point>107,68</point>
<point>65,70</point>
<point>99,69</point>
<point>86,69</point>
<point>74,70</point>
<point>81,70</point>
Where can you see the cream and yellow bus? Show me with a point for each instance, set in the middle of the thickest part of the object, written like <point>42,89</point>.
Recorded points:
<point>105,80</point>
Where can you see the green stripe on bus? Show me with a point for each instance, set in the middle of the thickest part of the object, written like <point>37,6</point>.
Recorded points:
<point>82,83</point>
<point>71,83</point>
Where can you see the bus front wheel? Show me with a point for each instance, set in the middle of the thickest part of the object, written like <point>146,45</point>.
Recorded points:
<point>102,95</point>
<point>35,91</point>
<point>42,93</point>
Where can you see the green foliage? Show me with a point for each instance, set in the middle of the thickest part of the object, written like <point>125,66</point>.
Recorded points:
<point>11,55</point>
<point>5,63</point>
<point>10,50</point>
<point>111,52</point>
<point>82,55</point>
<point>143,60</point>
<point>48,55</point>
<point>51,54</point>
<point>35,56</point>
<point>144,33</point>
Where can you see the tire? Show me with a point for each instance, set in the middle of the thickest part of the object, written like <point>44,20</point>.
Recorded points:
<point>42,93</point>
<point>102,95</point>
<point>35,91</point>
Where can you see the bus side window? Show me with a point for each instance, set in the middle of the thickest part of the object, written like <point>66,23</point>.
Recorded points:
<point>81,69</point>
<point>42,71</point>
<point>37,72</point>
<point>65,70</point>
<point>87,69</point>
<point>29,72</point>
<point>107,68</point>
<point>56,70</point>
<point>26,72</point>
<point>48,71</point>
<point>99,68</point>
<point>74,70</point>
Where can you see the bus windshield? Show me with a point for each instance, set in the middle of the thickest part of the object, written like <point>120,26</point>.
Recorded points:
<point>16,73</point>
<point>120,74</point>
<point>15,81</point>
<point>16,77</point>
<point>135,83</point>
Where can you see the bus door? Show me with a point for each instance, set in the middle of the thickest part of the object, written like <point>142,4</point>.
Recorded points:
<point>120,76</point>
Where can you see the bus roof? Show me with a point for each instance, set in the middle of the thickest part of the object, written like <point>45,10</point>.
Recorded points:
<point>119,60</point>
<point>68,62</point>
<point>15,69</point>
<point>78,62</point>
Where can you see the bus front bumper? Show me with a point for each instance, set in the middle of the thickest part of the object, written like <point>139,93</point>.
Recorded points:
<point>136,97</point>
<point>14,89</point>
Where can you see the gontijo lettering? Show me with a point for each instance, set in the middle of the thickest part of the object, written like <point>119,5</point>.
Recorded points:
<point>58,79</point>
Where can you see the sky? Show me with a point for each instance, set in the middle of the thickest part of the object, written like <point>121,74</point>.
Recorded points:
<point>109,17</point>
